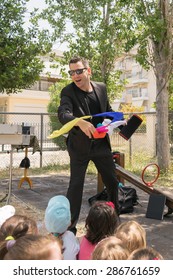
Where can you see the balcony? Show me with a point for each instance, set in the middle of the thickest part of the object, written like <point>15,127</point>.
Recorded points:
<point>143,97</point>
<point>139,81</point>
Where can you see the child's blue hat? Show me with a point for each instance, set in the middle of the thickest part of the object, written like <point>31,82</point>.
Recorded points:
<point>57,214</point>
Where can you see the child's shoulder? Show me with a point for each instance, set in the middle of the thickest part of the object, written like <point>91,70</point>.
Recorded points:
<point>69,235</point>
<point>71,245</point>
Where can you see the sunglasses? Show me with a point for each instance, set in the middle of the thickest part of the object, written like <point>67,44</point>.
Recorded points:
<point>77,71</point>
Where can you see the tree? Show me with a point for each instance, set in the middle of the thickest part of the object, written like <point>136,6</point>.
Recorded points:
<point>101,30</point>
<point>20,65</point>
<point>52,108</point>
<point>170,90</point>
<point>97,35</point>
<point>153,32</point>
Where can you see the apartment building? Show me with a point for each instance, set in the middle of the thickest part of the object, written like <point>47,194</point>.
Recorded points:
<point>34,99</point>
<point>140,89</point>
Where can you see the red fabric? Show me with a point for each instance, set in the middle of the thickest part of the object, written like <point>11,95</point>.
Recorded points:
<point>86,249</point>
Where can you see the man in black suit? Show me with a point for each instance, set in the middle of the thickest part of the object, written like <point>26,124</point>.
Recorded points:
<point>80,98</point>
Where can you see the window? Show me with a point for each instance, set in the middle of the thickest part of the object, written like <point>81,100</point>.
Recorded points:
<point>2,116</point>
<point>133,92</point>
<point>128,74</point>
<point>138,92</point>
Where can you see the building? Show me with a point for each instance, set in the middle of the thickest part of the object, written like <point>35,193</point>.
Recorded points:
<point>34,99</point>
<point>140,90</point>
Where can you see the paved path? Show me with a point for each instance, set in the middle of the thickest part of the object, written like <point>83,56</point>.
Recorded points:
<point>34,202</point>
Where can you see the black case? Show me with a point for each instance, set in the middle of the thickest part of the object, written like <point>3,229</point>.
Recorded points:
<point>132,124</point>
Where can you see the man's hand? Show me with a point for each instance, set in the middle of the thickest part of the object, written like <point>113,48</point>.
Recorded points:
<point>86,127</point>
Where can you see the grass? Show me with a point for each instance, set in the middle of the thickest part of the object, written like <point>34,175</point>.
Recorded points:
<point>47,170</point>
<point>139,163</point>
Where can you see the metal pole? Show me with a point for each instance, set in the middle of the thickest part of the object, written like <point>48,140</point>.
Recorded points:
<point>10,178</point>
<point>41,142</point>
<point>130,152</point>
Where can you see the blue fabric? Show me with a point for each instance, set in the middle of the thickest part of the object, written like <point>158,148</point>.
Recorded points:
<point>117,116</point>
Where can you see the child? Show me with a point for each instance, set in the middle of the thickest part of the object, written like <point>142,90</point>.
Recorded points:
<point>101,222</point>
<point>17,226</point>
<point>14,228</point>
<point>34,247</point>
<point>110,248</point>
<point>147,253</point>
<point>57,220</point>
<point>132,234</point>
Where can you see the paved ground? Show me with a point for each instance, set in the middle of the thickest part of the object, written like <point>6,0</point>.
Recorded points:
<point>34,201</point>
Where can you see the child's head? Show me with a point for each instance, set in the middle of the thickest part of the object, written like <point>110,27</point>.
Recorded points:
<point>132,234</point>
<point>110,248</point>
<point>14,228</point>
<point>17,226</point>
<point>57,215</point>
<point>101,221</point>
<point>34,247</point>
<point>147,253</point>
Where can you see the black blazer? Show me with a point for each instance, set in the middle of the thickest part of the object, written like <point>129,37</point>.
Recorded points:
<point>72,105</point>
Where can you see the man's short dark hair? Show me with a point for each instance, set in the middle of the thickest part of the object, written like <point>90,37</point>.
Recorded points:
<point>76,59</point>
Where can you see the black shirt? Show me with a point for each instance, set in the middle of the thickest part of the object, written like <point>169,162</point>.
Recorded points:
<point>93,106</point>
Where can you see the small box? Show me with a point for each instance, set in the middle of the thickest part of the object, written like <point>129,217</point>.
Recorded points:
<point>156,205</point>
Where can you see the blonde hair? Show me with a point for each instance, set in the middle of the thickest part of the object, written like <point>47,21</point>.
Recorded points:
<point>132,234</point>
<point>147,253</point>
<point>110,248</point>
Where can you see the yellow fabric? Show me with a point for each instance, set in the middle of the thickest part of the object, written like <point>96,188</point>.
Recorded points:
<point>65,128</point>
<point>9,237</point>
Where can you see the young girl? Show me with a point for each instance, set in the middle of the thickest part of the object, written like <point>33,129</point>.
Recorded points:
<point>14,228</point>
<point>110,248</point>
<point>18,225</point>
<point>132,234</point>
<point>101,222</point>
<point>57,220</point>
<point>34,247</point>
<point>147,253</point>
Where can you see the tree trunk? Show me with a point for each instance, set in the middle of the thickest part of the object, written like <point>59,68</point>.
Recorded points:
<point>162,57</point>
<point>162,134</point>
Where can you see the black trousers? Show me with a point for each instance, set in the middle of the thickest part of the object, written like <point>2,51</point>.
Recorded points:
<point>101,155</point>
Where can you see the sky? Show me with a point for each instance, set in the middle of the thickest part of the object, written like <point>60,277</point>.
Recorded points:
<point>36,4</point>
<point>43,24</point>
